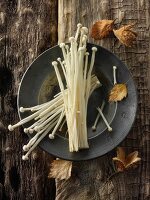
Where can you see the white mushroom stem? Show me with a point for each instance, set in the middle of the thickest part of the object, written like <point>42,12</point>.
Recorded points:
<point>25,120</point>
<point>54,107</point>
<point>62,46</point>
<point>105,120</point>
<point>84,40</point>
<point>97,117</point>
<point>114,74</point>
<point>49,119</point>
<point>69,104</point>
<point>30,129</point>
<point>22,109</point>
<point>63,67</point>
<point>48,104</point>
<point>33,140</point>
<point>26,156</point>
<point>54,63</point>
<point>94,86</point>
<point>62,90</point>
<point>85,69</point>
<point>83,31</point>
<point>52,135</point>
<point>42,111</point>
<point>60,129</point>
<point>58,94</point>
<point>94,49</point>
<point>78,31</point>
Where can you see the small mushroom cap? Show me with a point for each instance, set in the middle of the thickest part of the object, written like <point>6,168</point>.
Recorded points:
<point>59,59</point>
<point>98,83</point>
<point>94,49</point>
<point>87,53</point>
<point>54,63</point>
<point>21,109</point>
<point>114,67</point>
<point>110,129</point>
<point>31,130</point>
<point>10,128</point>
<point>51,136</point>
<point>85,29</point>
<point>93,128</point>
<point>25,130</point>
<point>36,128</point>
<point>24,157</point>
<point>79,25</point>
<point>25,148</point>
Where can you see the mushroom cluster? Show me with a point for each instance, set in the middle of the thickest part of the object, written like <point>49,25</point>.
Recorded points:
<point>70,104</point>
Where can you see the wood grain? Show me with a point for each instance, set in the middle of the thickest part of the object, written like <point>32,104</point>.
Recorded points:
<point>89,177</point>
<point>27,28</point>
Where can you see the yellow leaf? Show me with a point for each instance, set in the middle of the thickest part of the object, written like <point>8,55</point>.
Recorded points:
<point>60,169</point>
<point>118,92</point>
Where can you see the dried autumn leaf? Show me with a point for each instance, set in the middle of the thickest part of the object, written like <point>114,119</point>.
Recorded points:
<point>126,35</point>
<point>132,158</point>
<point>118,92</point>
<point>123,162</point>
<point>60,169</point>
<point>102,29</point>
<point>120,159</point>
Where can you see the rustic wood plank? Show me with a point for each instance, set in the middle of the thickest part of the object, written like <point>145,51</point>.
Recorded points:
<point>27,28</point>
<point>86,182</point>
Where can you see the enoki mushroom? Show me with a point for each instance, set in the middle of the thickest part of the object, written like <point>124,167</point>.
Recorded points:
<point>100,113</point>
<point>70,104</point>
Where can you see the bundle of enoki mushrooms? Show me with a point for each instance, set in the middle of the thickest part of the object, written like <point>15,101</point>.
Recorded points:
<point>70,104</point>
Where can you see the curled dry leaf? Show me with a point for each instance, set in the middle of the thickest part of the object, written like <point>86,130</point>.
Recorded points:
<point>126,35</point>
<point>60,169</point>
<point>102,29</point>
<point>118,92</point>
<point>124,162</point>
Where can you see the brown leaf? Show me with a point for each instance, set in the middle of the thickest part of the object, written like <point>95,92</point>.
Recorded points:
<point>102,29</point>
<point>60,169</point>
<point>118,92</point>
<point>126,35</point>
<point>124,162</point>
<point>132,158</point>
<point>120,159</point>
<point>121,153</point>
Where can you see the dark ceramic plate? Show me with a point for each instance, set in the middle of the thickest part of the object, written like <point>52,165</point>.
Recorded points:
<point>39,84</point>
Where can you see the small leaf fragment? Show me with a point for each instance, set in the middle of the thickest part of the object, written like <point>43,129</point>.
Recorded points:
<point>60,169</point>
<point>126,35</point>
<point>102,29</point>
<point>118,92</point>
<point>132,158</point>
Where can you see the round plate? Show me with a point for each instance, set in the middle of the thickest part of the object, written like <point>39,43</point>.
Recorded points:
<point>39,84</point>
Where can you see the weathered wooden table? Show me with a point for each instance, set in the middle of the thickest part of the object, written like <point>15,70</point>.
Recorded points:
<point>27,28</point>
